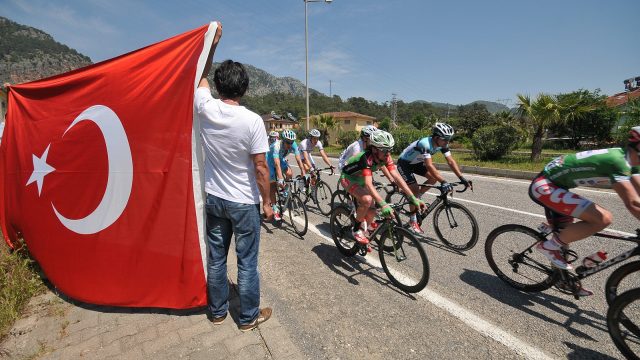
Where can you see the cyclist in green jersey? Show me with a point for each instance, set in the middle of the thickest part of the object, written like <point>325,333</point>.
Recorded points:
<point>610,168</point>
<point>357,179</point>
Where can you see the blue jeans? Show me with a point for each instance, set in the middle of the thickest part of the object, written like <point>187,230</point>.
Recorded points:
<point>224,218</point>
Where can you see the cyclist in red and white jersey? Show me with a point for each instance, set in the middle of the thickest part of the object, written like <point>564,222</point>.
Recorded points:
<point>357,179</point>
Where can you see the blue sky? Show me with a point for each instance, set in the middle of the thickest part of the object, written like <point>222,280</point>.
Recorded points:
<point>445,51</point>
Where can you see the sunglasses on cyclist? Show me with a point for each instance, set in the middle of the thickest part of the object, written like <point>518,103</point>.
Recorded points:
<point>288,142</point>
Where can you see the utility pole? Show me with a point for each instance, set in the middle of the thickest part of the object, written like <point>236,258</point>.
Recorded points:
<point>330,89</point>
<point>394,111</point>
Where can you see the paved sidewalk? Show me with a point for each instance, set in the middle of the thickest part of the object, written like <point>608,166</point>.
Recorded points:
<point>54,327</point>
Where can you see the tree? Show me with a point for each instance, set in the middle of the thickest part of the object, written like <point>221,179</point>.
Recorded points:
<point>630,115</point>
<point>324,123</point>
<point>419,121</point>
<point>539,115</point>
<point>473,117</point>
<point>585,117</point>
<point>385,124</point>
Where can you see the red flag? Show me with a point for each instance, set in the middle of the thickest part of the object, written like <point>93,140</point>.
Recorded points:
<point>98,178</point>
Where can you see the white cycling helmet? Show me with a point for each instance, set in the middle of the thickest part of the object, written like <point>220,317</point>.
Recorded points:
<point>368,130</point>
<point>443,130</point>
<point>634,135</point>
<point>274,134</point>
<point>314,133</point>
<point>382,140</point>
<point>289,135</point>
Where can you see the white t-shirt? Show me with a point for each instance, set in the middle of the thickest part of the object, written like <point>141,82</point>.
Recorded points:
<point>354,148</point>
<point>306,149</point>
<point>230,135</point>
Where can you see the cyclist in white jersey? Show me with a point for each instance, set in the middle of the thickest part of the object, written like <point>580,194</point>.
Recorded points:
<point>306,148</point>
<point>357,146</point>
<point>416,159</point>
<point>273,136</point>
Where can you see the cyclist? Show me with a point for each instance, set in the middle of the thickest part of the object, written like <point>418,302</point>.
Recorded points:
<point>361,145</point>
<point>273,136</point>
<point>357,179</point>
<point>606,167</point>
<point>357,146</point>
<point>279,167</point>
<point>416,159</point>
<point>306,147</point>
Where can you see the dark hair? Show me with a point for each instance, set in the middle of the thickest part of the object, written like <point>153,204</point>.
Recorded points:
<point>231,79</point>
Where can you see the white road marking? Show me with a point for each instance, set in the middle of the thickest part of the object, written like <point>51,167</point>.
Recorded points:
<point>469,318</point>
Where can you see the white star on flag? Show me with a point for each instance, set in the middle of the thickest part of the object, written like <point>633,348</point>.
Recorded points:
<point>40,169</point>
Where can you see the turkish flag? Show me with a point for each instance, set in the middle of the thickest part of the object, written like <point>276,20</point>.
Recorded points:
<point>99,176</point>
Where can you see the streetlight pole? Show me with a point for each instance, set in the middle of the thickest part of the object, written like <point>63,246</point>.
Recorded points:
<point>306,53</point>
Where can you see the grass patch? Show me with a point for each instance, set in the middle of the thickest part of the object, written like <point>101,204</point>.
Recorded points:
<point>19,281</point>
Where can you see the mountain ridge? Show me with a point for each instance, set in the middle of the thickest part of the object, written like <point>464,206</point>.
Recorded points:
<point>27,54</point>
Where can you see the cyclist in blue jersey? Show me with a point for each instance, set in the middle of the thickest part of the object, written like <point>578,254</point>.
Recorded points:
<point>416,159</point>
<point>279,167</point>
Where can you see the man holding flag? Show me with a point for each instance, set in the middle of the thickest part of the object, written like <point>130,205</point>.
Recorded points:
<point>236,174</point>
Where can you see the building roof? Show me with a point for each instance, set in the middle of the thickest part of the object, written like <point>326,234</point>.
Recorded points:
<point>271,117</point>
<point>622,98</point>
<point>348,114</point>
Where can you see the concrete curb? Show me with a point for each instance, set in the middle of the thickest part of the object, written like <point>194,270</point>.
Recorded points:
<point>467,169</point>
<point>514,174</point>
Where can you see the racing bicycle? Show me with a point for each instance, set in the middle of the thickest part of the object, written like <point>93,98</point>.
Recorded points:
<point>289,201</point>
<point>319,192</point>
<point>625,311</point>
<point>453,223</point>
<point>401,255</point>
<point>510,251</point>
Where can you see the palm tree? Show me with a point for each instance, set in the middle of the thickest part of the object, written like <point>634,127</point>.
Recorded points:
<point>539,115</point>
<point>574,108</point>
<point>324,123</point>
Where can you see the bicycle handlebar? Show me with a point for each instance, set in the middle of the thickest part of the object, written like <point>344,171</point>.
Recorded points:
<point>332,168</point>
<point>454,184</point>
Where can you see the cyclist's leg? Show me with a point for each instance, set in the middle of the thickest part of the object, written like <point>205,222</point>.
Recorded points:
<point>593,219</point>
<point>565,205</point>
<point>561,206</point>
<point>288,173</point>
<point>272,191</point>
<point>364,201</point>
<point>408,171</point>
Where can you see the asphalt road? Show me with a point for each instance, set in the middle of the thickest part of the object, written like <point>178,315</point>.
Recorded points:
<point>337,307</point>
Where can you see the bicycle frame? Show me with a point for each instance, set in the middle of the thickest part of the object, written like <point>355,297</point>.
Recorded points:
<point>442,198</point>
<point>586,272</point>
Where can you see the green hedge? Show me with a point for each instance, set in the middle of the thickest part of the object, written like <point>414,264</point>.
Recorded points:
<point>494,142</point>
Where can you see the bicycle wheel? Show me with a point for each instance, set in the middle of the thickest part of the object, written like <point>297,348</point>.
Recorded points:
<point>613,286</point>
<point>339,197</point>
<point>340,225</point>
<point>403,259</point>
<point>510,252</point>
<point>322,194</point>
<point>298,215</point>
<point>457,228</point>
<point>625,310</point>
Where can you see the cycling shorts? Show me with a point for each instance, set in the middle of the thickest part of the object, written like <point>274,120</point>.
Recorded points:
<point>407,169</point>
<point>273,176</point>
<point>350,186</point>
<point>561,205</point>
